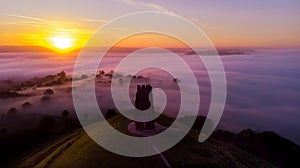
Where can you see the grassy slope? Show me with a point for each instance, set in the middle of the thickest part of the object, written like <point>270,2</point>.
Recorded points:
<point>78,150</point>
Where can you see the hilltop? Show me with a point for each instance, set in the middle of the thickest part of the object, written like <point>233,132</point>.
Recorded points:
<point>76,149</point>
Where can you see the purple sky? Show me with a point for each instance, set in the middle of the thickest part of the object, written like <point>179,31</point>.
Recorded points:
<point>270,23</point>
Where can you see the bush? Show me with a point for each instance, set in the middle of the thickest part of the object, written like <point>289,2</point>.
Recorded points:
<point>26,105</point>
<point>48,92</point>
<point>65,113</point>
<point>176,80</point>
<point>84,76</point>
<point>12,111</point>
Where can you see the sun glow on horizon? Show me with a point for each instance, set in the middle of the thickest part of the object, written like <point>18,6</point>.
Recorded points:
<point>65,40</point>
<point>62,42</point>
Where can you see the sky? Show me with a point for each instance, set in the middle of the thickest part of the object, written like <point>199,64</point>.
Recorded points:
<point>230,23</point>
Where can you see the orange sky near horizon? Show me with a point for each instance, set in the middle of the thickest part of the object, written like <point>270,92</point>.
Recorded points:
<point>229,24</point>
<point>41,35</point>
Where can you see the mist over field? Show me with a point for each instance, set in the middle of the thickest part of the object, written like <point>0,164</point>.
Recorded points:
<point>263,87</point>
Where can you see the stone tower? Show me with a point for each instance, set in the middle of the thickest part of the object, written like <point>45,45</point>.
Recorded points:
<point>143,102</point>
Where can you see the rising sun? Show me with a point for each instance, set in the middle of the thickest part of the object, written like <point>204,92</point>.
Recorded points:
<point>63,40</point>
<point>62,43</point>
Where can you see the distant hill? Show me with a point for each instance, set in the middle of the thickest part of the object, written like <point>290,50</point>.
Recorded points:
<point>221,52</point>
<point>186,51</point>
<point>76,149</point>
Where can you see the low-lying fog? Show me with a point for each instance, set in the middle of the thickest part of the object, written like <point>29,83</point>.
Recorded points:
<point>263,88</point>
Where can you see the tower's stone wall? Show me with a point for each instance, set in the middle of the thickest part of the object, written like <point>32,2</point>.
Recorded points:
<point>143,102</point>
